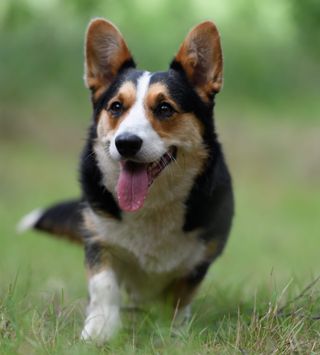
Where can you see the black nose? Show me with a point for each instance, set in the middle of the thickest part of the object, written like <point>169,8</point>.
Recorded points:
<point>128,144</point>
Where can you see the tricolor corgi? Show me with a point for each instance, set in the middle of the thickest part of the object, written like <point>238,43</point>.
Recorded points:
<point>157,201</point>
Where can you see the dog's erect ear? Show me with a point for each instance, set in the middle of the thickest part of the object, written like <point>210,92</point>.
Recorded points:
<point>200,57</point>
<point>106,53</point>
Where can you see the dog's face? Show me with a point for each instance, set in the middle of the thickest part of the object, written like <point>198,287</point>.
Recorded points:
<point>150,126</point>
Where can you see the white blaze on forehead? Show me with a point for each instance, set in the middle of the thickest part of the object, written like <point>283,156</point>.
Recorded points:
<point>136,122</point>
<point>142,86</point>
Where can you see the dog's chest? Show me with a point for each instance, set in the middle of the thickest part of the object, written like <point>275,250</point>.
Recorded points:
<point>152,242</point>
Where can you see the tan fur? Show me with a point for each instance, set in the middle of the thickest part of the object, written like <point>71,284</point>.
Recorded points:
<point>105,53</point>
<point>157,93</point>
<point>183,129</point>
<point>104,264</point>
<point>181,292</point>
<point>212,248</point>
<point>107,124</point>
<point>201,57</point>
<point>178,128</point>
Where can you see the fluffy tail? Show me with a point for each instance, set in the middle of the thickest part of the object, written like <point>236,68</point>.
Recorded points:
<point>63,219</point>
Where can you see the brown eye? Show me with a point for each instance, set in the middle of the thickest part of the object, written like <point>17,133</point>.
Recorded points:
<point>116,108</point>
<point>164,110</point>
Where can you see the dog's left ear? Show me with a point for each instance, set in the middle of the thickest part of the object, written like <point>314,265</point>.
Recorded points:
<point>200,57</point>
<point>106,53</point>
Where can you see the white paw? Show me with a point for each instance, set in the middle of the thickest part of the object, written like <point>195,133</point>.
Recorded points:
<point>101,324</point>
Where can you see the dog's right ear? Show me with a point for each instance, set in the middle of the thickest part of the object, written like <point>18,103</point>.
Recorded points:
<point>106,53</point>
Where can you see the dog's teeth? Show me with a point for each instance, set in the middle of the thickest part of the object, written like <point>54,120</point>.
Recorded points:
<point>155,168</point>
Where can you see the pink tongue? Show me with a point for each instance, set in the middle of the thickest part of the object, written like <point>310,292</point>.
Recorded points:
<point>132,186</point>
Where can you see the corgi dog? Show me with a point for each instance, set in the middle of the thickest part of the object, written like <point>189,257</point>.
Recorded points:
<point>157,201</point>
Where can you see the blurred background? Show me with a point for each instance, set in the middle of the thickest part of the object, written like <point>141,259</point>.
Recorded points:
<point>267,117</point>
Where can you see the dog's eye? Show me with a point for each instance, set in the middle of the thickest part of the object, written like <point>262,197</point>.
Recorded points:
<point>116,108</point>
<point>164,110</point>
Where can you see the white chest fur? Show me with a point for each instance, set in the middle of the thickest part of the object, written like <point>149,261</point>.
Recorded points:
<point>149,251</point>
<point>156,242</point>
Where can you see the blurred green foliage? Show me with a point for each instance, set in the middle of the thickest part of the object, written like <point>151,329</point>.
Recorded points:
<point>271,49</point>
<point>306,14</point>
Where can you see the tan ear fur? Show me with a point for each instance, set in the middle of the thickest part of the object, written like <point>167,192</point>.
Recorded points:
<point>200,56</point>
<point>105,54</point>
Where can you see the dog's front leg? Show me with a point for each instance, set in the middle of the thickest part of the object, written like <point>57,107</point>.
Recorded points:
<point>103,312</point>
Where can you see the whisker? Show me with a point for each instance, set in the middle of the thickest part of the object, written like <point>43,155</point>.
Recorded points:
<point>174,160</point>
<point>89,156</point>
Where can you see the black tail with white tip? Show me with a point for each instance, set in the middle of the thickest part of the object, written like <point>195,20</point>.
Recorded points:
<point>64,220</point>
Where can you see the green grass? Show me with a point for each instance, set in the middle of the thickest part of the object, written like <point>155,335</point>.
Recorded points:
<point>271,256</point>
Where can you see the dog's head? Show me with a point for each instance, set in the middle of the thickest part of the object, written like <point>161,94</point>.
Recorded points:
<point>151,127</point>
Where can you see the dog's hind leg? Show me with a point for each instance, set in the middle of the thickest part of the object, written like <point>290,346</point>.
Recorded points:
<point>103,312</point>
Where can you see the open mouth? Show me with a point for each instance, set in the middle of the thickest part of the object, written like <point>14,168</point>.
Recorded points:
<point>136,178</point>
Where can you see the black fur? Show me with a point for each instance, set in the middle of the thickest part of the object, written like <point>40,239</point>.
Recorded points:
<point>98,197</point>
<point>64,219</point>
<point>210,205</point>
<point>93,253</point>
<point>198,274</point>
